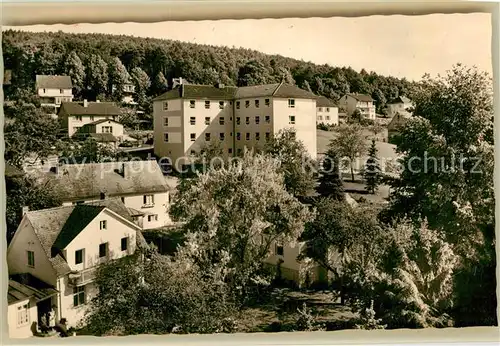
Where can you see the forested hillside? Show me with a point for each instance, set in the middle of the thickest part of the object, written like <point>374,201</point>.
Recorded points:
<point>96,61</point>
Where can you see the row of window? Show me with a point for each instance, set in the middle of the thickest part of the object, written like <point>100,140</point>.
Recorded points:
<point>222,136</point>
<point>320,117</point>
<point>267,119</point>
<point>267,102</point>
<point>92,117</point>
<point>103,250</point>
<point>327,109</point>
<point>61,91</point>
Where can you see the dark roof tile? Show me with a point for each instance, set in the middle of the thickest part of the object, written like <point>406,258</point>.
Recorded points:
<point>53,82</point>
<point>85,181</point>
<point>79,218</point>
<point>93,108</point>
<point>362,97</point>
<point>324,102</point>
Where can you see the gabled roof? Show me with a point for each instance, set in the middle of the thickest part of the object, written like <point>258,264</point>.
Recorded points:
<point>400,99</point>
<point>103,137</point>
<point>97,122</point>
<point>57,227</point>
<point>79,218</point>
<point>288,90</point>
<point>361,97</point>
<point>22,290</point>
<point>192,91</point>
<point>324,102</point>
<point>47,224</point>
<point>53,82</point>
<point>115,205</point>
<point>93,108</point>
<point>76,182</point>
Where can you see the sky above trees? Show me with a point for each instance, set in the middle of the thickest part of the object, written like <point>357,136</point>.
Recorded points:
<point>401,46</point>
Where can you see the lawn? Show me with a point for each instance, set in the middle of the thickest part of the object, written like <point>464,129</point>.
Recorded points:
<point>281,314</point>
<point>386,153</point>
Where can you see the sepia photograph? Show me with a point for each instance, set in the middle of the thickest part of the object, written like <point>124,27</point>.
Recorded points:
<point>249,175</point>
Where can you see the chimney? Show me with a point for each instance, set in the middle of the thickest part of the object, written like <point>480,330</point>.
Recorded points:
<point>85,103</point>
<point>24,210</point>
<point>219,85</point>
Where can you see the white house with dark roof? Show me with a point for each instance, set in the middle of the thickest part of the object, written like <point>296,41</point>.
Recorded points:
<point>105,131</point>
<point>52,91</point>
<point>189,117</point>
<point>401,105</point>
<point>363,103</point>
<point>140,185</point>
<point>326,112</point>
<point>62,248</point>
<point>73,115</point>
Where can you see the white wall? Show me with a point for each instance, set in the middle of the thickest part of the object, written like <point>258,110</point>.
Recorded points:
<point>47,92</point>
<point>252,128</point>
<point>173,149</point>
<point>17,259</point>
<point>160,208</point>
<point>24,330</point>
<point>74,315</point>
<point>74,122</point>
<point>327,115</point>
<point>305,121</point>
<point>91,237</point>
<point>116,128</point>
<point>200,113</point>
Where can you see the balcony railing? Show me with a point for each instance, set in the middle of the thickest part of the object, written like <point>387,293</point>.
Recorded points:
<point>82,277</point>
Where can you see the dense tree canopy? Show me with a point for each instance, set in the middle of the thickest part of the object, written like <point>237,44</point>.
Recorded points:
<point>27,54</point>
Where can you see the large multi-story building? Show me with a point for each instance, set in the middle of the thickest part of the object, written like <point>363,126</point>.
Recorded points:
<point>189,117</point>
<point>53,91</point>
<point>361,102</point>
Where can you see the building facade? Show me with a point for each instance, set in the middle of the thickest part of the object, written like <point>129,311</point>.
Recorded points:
<point>361,102</point>
<point>190,117</point>
<point>401,105</point>
<point>74,115</point>
<point>105,131</point>
<point>62,247</point>
<point>140,185</point>
<point>53,91</point>
<point>326,112</point>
